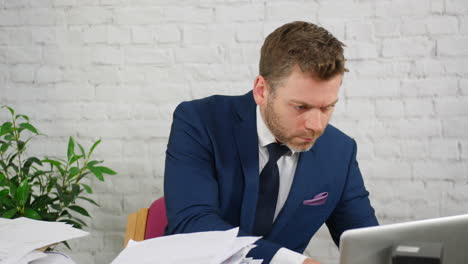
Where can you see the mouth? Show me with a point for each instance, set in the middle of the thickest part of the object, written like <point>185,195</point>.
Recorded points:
<point>307,139</point>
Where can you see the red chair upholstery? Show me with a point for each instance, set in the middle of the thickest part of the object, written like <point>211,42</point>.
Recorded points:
<point>157,220</point>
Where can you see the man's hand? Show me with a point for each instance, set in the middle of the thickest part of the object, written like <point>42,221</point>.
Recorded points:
<point>310,261</point>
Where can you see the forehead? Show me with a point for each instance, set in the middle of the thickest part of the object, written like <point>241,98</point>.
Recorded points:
<point>305,88</point>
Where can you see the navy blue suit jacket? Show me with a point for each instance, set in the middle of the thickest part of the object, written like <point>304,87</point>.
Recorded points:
<point>212,175</point>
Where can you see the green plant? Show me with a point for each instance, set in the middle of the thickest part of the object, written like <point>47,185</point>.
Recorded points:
<point>44,188</point>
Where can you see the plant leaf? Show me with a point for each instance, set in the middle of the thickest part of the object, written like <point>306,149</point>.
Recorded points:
<point>21,145</point>
<point>30,213</point>
<point>73,171</point>
<point>75,158</point>
<point>67,199</point>
<point>48,216</point>
<point>4,147</point>
<point>97,173</point>
<point>93,147</point>
<point>55,163</point>
<point>82,176</point>
<point>11,158</point>
<point>6,201</point>
<point>106,170</point>
<point>10,109</point>
<point>9,137</point>
<point>29,162</point>
<point>89,200</point>
<point>23,192</point>
<point>3,192</point>
<point>83,153</point>
<point>37,174</point>
<point>79,209</point>
<point>56,207</point>
<point>79,221</point>
<point>41,201</point>
<point>66,244</point>
<point>13,187</point>
<point>71,148</point>
<point>87,188</point>
<point>4,166</point>
<point>51,183</point>
<point>23,116</point>
<point>93,163</point>
<point>71,222</point>
<point>65,213</point>
<point>32,160</point>
<point>29,127</point>
<point>76,189</point>
<point>59,189</point>
<point>10,213</point>
<point>6,128</point>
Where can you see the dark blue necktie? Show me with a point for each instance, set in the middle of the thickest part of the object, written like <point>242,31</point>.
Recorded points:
<point>268,191</point>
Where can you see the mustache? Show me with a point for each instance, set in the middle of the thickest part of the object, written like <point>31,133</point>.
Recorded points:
<point>312,135</point>
<point>308,135</point>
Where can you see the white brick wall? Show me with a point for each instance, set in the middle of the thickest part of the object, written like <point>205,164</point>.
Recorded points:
<point>116,69</point>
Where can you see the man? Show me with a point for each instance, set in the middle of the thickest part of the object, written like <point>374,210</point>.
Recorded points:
<point>268,161</point>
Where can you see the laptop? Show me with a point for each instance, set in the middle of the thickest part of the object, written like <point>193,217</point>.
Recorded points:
<point>373,245</point>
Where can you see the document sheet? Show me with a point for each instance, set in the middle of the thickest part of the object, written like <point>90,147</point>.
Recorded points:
<point>214,247</point>
<point>21,236</point>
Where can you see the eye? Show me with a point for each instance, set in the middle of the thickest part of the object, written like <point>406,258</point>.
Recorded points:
<point>327,108</point>
<point>300,107</point>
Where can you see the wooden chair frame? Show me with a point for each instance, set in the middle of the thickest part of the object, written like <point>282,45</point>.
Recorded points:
<point>136,226</point>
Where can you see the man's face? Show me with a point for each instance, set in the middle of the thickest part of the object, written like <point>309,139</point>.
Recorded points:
<point>299,110</point>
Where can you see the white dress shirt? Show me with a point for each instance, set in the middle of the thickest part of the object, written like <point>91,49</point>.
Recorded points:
<point>287,166</point>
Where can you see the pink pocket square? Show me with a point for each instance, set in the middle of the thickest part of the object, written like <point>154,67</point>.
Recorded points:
<point>318,199</point>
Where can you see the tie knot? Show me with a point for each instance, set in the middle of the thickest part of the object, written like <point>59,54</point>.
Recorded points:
<point>276,150</point>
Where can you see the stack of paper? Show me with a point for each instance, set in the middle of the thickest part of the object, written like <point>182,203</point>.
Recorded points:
<point>21,236</point>
<point>214,247</point>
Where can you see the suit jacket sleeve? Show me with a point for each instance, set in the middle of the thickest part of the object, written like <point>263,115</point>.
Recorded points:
<point>354,209</point>
<point>190,181</point>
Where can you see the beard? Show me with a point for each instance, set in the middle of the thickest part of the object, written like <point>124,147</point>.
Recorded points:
<point>280,132</point>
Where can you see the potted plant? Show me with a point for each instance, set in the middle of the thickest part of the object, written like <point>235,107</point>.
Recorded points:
<point>47,188</point>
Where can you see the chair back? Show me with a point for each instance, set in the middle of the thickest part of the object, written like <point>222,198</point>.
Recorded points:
<point>157,220</point>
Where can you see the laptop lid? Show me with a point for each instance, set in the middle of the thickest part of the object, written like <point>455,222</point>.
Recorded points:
<point>373,245</point>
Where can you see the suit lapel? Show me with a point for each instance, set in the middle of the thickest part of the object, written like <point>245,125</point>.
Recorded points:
<point>307,181</point>
<point>246,139</point>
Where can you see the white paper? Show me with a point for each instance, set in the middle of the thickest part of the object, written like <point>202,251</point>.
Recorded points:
<point>33,255</point>
<point>240,256</point>
<point>20,236</point>
<point>252,261</point>
<point>239,244</point>
<point>53,257</point>
<point>214,247</point>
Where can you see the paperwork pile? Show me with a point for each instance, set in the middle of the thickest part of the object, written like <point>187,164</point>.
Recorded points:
<point>214,247</point>
<point>21,236</point>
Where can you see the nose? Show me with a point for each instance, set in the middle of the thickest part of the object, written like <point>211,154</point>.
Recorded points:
<point>314,120</point>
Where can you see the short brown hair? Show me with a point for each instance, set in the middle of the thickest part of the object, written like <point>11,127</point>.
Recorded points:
<point>312,48</point>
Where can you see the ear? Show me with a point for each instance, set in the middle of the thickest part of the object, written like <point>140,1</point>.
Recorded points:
<point>260,90</point>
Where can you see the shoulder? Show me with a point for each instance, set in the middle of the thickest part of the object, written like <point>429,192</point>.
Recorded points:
<point>206,103</point>
<point>335,139</point>
<point>335,147</point>
<point>335,133</point>
<point>212,106</point>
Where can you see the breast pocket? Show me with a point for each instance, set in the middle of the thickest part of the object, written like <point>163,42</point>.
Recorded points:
<point>313,211</point>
